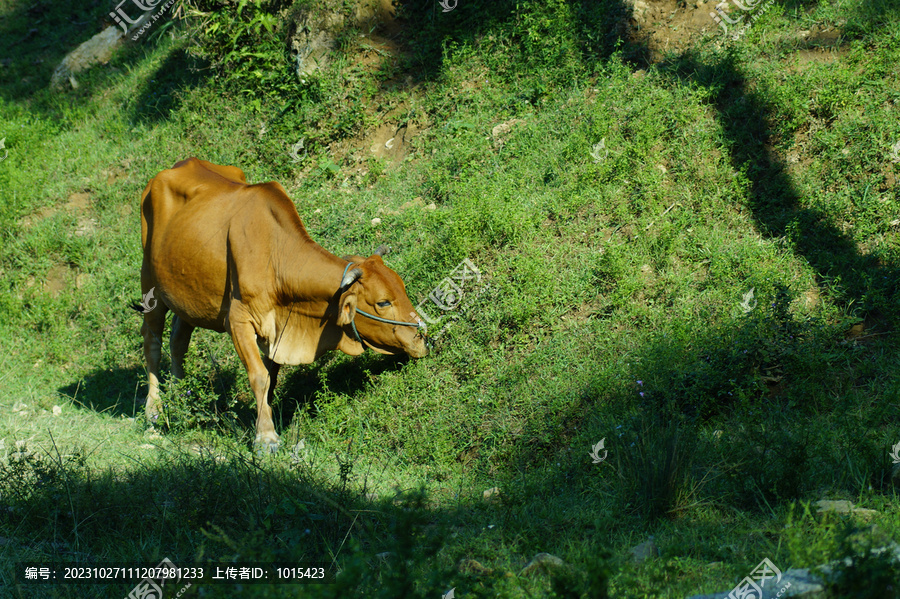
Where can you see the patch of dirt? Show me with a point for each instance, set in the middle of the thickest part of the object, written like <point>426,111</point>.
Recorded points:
<point>115,173</point>
<point>390,142</point>
<point>669,25</point>
<point>78,201</point>
<point>57,280</point>
<point>814,46</point>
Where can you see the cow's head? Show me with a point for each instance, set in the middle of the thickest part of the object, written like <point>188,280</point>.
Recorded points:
<point>370,286</point>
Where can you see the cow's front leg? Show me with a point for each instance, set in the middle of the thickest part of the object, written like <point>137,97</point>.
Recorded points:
<point>273,368</point>
<point>244,337</point>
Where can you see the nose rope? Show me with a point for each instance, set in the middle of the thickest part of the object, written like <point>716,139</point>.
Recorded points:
<point>418,325</point>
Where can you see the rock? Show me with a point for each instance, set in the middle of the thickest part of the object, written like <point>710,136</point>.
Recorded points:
<point>376,221</point>
<point>542,562</point>
<point>97,50</point>
<point>57,410</point>
<point>799,583</point>
<point>318,32</point>
<point>644,551</point>
<point>492,495</point>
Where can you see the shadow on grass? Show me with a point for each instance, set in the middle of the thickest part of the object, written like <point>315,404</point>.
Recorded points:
<point>769,372</point>
<point>113,391</point>
<point>159,95</point>
<point>37,36</point>
<point>427,33</point>
<point>218,505</point>
<point>43,33</point>
<point>749,120</point>
<point>121,392</point>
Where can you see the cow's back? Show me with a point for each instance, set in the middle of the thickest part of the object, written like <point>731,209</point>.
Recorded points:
<point>186,213</point>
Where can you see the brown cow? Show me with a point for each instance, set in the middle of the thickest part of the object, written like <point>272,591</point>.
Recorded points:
<point>228,256</point>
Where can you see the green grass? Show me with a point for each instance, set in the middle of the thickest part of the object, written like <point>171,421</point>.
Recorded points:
<point>611,306</point>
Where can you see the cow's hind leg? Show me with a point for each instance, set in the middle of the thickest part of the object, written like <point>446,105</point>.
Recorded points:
<point>179,341</point>
<point>261,380</point>
<point>152,330</point>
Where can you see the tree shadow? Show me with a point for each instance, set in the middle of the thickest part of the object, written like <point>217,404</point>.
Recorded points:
<point>426,34</point>
<point>44,33</point>
<point>749,121</point>
<point>159,95</point>
<point>113,391</point>
<point>38,35</point>
<point>750,365</point>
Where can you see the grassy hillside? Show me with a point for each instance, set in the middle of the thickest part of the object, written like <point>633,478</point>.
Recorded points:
<point>688,247</point>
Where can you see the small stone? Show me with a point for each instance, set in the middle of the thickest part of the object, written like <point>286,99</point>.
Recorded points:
<point>492,494</point>
<point>644,551</point>
<point>376,221</point>
<point>841,506</point>
<point>542,562</point>
<point>57,410</point>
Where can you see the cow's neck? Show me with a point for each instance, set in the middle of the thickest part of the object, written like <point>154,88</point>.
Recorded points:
<point>303,324</point>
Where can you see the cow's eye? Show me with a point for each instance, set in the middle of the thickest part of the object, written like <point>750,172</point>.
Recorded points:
<point>384,304</point>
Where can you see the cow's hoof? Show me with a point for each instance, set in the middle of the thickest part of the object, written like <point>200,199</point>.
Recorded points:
<point>266,444</point>
<point>152,416</point>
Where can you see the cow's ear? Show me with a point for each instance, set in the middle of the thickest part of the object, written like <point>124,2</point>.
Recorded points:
<point>348,309</point>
